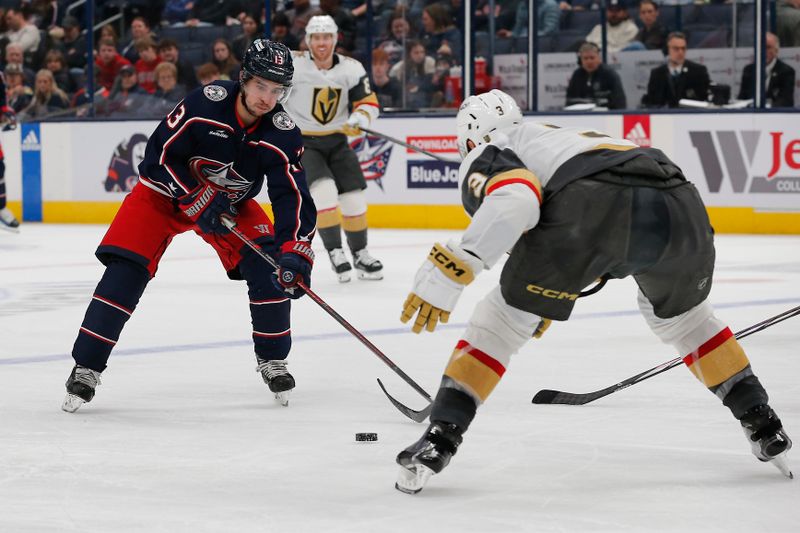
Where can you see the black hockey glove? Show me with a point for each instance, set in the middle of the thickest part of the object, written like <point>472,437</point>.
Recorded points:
<point>294,265</point>
<point>204,206</point>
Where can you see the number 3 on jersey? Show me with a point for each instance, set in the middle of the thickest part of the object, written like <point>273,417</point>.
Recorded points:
<point>174,118</point>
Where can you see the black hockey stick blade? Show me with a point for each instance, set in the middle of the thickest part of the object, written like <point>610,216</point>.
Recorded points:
<point>548,396</point>
<point>416,416</point>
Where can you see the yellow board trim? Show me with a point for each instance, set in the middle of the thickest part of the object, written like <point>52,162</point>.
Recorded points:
<point>724,219</point>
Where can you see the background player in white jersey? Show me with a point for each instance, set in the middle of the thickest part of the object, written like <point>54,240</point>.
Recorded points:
<point>327,85</point>
<point>572,205</point>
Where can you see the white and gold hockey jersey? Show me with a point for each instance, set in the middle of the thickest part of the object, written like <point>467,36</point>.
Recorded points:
<point>321,99</point>
<point>502,183</point>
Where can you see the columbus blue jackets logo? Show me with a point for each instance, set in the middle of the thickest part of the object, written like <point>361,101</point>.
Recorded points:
<point>215,93</point>
<point>283,121</point>
<point>373,155</point>
<point>221,175</point>
<point>123,169</point>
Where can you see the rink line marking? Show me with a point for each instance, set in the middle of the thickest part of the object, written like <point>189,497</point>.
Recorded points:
<point>122,352</point>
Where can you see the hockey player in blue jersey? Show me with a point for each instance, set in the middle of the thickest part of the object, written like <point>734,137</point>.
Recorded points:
<point>8,221</point>
<point>209,157</point>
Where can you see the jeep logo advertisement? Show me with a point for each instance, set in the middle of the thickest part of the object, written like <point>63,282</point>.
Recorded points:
<point>751,161</point>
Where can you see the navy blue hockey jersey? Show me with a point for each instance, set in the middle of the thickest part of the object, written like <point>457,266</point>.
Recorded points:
<point>203,141</point>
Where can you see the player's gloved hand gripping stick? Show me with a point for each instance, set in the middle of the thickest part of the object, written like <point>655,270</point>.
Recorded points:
<point>230,224</point>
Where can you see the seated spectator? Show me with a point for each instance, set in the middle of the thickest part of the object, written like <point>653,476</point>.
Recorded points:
<point>55,63</point>
<point>73,43</point>
<point>281,33</point>
<point>14,56</point>
<point>44,13</point>
<point>210,12</point>
<point>595,82</point>
<point>147,63</point>
<point>548,18</point>
<point>621,31</point>
<point>504,12</point>
<point>439,35</point>
<point>177,12</point>
<point>298,16</point>
<point>224,60</point>
<point>440,98</point>
<point>126,99</point>
<point>416,76</point>
<point>779,89</point>
<point>250,31</point>
<point>20,31</point>
<point>108,32</point>
<point>139,30</point>
<point>168,51</point>
<point>399,32</point>
<point>788,18</point>
<point>47,97</point>
<point>109,62</point>
<point>208,73</point>
<point>653,34</point>
<point>346,42</point>
<point>168,92</point>
<point>81,100</point>
<point>679,78</point>
<point>387,89</point>
<point>18,94</point>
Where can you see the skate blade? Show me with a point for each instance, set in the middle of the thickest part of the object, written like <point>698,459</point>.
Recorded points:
<point>413,478</point>
<point>9,229</point>
<point>72,403</point>
<point>283,397</point>
<point>781,463</point>
<point>343,277</point>
<point>375,276</point>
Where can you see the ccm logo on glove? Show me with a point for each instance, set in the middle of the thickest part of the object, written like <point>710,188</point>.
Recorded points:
<point>450,265</point>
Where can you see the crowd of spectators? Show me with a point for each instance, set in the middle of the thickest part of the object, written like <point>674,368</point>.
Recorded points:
<point>165,48</point>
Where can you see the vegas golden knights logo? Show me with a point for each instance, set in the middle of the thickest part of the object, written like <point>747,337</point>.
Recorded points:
<point>325,103</point>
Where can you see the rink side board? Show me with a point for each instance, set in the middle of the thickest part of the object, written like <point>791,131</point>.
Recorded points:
<point>745,166</point>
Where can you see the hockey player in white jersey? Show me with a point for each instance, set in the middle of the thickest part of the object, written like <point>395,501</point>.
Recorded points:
<point>572,205</point>
<point>332,99</point>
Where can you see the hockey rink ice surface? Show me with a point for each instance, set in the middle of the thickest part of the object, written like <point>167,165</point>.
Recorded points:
<point>184,436</point>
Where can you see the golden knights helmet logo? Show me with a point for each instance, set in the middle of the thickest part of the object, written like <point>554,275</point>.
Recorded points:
<point>325,103</point>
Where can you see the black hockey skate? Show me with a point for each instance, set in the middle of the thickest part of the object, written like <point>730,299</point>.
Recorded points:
<point>367,266</point>
<point>767,437</point>
<point>428,456</point>
<point>340,264</point>
<point>81,385</point>
<point>7,221</point>
<point>277,378</point>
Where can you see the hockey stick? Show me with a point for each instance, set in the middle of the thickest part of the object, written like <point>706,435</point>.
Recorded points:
<point>547,396</point>
<point>409,146</point>
<point>229,223</point>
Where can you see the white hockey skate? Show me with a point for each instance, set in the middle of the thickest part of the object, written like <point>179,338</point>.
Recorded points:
<point>81,385</point>
<point>768,440</point>
<point>367,266</point>
<point>7,221</point>
<point>277,378</point>
<point>340,264</point>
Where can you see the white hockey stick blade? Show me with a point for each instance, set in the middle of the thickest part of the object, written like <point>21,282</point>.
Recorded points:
<point>72,403</point>
<point>283,397</point>
<point>781,463</point>
<point>413,479</point>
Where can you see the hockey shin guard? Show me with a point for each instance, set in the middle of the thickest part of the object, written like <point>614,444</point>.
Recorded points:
<point>113,303</point>
<point>354,219</point>
<point>269,311</point>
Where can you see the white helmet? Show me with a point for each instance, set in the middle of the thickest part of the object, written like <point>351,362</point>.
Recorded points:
<point>321,24</point>
<point>480,116</point>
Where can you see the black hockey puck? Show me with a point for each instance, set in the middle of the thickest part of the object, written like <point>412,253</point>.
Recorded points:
<point>366,437</point>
